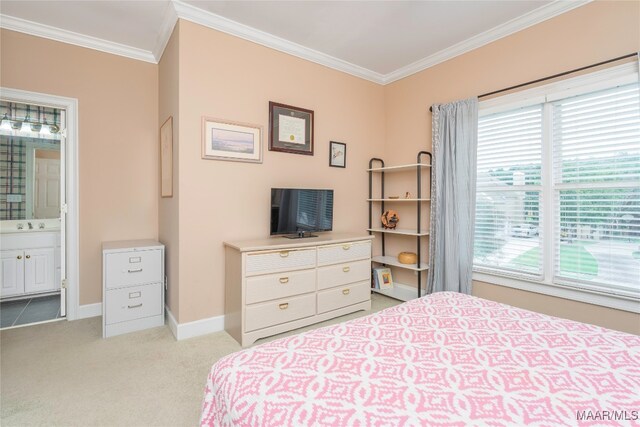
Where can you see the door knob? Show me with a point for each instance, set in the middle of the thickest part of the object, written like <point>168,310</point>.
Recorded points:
<point>19,257</point>
<point>27,256</point>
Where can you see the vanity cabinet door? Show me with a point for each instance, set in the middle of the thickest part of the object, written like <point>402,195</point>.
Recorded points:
<point>11,273</point>
<point>39,270</point>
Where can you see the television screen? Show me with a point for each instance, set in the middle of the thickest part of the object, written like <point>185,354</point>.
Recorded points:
<point>296,210</point>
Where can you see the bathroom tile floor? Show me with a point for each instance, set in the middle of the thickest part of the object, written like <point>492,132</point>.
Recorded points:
<point>30,310</point>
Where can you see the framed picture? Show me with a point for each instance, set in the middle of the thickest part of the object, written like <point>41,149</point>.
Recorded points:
<point>290,129</point>
<point>233,141</point>
<point>166,158</point>
<point>337,154</point>
<point>385,280</point>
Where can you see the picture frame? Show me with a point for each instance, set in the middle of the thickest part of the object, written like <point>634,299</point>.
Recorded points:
<point>337,154</point>
<point>384,278</point>
<point>290,129</point>
<point>166,158</point>
<point>231,141</point>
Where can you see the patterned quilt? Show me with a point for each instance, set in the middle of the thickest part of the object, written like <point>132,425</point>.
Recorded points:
<point>443,360</point>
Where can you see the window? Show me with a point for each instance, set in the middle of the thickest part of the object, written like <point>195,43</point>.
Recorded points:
<point>558,191</point>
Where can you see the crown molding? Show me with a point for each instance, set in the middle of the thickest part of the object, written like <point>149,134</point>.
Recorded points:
<point>57,34</point>
<point>527,20</point>
<point>198,16</point>
<point>168,24</point>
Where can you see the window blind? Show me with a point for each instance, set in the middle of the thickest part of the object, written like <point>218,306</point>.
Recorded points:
<point>596,150</point>
<point>508,194</point>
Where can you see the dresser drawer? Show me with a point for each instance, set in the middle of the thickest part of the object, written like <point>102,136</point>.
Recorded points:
<point>343,296</point>
<point>263,315</point>
<point>133,268</point>
<point>335,254</point>
<point>134,302</point>
<point>271,262</point>
<point>274,286</point>
<point>342,274</point>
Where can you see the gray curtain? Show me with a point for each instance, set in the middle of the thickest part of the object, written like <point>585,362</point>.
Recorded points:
<point>453,193</point>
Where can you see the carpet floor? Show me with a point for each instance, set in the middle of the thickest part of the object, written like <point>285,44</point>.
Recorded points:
<point>65,374</point>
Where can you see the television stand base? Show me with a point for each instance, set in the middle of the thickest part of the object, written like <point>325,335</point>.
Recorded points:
<point>300,235</point>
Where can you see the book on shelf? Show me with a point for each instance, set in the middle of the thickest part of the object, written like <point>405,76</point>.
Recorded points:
<point>382,278</point>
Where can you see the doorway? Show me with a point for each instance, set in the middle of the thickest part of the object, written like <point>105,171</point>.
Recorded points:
<point>38,209</point>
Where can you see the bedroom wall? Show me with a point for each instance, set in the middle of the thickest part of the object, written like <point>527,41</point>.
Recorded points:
<point>118,134</point>
<point>168,207</point>
<point>229,78</point>
<point>589,34</point>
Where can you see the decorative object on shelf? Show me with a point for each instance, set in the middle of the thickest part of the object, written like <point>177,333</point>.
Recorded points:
<point>337,154</point>
<point>407,195</point>
<point>166,158</point>
<point>233,141</point>
<point>290,129</point>
<point>390,219</point>
<point>394,197</point>
<point>382,278</point>
<point>407,258</point>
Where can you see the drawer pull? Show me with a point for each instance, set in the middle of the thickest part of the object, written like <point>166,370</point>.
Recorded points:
<point>135,295</point>
<point>284,254</point>
<point>135,306</point>
<point>135,270</point>
<point>284,280</point>
<point>135,260</point>
<point>346,247</point>
<point>346,269</point>
<point>346,291</point>
<point>284,306</point>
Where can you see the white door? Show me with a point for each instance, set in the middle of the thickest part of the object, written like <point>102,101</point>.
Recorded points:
<point>39,270</point>
<point>11,273</point>
<point>46,188</point>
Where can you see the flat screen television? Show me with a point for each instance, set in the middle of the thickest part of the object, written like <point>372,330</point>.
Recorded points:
<point>297,213</point>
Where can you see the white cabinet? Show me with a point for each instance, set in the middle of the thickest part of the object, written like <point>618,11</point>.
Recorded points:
<point>30,263</point>
<point>276,285</point>
<point>132,286</point>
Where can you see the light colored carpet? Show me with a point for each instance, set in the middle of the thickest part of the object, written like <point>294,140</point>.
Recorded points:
<point>65,374</point>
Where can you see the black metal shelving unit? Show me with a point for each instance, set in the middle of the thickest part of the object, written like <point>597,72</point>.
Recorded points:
<point>418,233</point>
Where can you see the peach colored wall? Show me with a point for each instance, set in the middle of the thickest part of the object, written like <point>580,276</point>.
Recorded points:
<point>48,154</point>
<point>168,215</point>
<point>230,78</point>
<point>118,138</point>
<point>589,34</point>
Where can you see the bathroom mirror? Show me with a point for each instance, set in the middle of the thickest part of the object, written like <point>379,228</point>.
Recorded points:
<point>30,167</point>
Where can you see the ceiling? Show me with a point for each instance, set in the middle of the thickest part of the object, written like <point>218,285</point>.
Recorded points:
<point>378,40</point>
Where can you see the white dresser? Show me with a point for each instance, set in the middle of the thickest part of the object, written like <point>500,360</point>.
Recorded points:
<point>276,285</point>
<point>132,286</point>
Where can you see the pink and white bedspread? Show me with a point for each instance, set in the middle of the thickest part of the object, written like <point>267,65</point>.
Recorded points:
<point>443,360</point>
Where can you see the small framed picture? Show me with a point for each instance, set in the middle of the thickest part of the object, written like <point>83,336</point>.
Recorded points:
<point>337,154</point>
<point>234,141</point>
<point>382,278</point>
<point>290,129</point>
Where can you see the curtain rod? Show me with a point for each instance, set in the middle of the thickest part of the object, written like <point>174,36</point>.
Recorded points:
<point>555,75</point>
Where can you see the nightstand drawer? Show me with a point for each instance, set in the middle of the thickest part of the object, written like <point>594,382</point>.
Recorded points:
<point>342,274</point>
<point>271,262</point>
<point>274,286</point>
<point>134,302</point>
<point>336,254</point>
<point>258,316</point>
<point>343,296</point>
<point>133,268</point>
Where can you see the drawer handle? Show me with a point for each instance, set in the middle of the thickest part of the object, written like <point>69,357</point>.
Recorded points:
<point>284,254</point>
<point>346,247</point>
<point>135,295</point>
<point>346,291</point>
<point>284,306</point>
<point>284,280</point>
<point>19,257</point>
<point>135,270</point>
<point>135,306</point>
<point>346,269</point>
<point>27,256</point>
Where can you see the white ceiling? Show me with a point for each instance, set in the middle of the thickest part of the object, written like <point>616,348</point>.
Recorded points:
<point>378,40</point>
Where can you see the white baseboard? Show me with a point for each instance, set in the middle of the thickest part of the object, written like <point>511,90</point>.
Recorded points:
<point>89,310</point>
<point>183,331</point>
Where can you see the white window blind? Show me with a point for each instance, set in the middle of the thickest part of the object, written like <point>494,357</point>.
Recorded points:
<point>508,193</point>
<point>596,150</point>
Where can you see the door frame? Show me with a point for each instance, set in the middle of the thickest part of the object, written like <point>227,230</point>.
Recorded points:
<point>70,105</point>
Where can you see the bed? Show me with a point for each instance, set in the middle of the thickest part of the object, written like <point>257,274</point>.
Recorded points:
<point>446,359</point>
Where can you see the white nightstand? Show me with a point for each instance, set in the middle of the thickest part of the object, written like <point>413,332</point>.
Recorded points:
<point>132,286</point>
